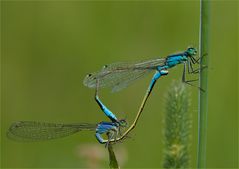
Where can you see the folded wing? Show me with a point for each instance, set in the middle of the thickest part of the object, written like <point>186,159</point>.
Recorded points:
<point>119,75</point>
<point>37,131</point>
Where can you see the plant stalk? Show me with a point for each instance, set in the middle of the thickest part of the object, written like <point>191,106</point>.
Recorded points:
<point>112,158</point>
<point>203,79</point>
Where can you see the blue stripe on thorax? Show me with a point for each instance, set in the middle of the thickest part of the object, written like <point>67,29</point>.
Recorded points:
<point>103,127</point>
<point>174,60</point>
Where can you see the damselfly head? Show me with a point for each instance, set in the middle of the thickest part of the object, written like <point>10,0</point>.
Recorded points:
<point>123,123</point>
<point>191,51</point>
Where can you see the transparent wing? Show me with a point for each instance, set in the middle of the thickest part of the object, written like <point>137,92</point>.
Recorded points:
<point>36,131</point>
<point>119,75</point>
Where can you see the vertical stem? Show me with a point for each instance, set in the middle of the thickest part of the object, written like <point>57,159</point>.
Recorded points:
<point>113,161</point>
<point>203,96</point>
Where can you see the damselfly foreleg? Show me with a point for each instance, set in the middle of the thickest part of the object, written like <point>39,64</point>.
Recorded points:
<point>189,81</point>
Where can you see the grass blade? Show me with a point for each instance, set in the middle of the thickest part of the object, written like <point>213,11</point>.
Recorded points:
<point>203,96</point>
<point>113,161</point>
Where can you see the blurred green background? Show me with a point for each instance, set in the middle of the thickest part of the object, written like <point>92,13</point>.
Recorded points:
<point>48,47</point>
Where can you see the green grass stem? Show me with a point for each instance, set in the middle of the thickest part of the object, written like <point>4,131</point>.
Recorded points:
<point>112,158</point>
<point>203,95</point>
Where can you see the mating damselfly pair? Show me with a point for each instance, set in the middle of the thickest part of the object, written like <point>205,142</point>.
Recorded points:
<point>116,76</point>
